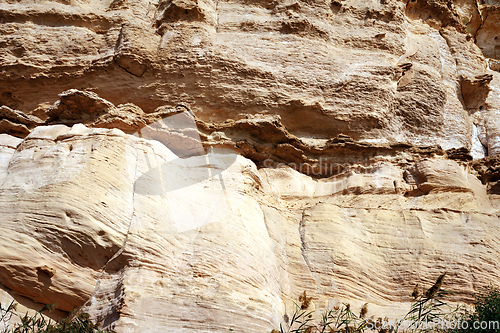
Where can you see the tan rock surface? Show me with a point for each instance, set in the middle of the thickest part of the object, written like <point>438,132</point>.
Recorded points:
<point>487,118</point>
<point>333,64</point>
<point>487,35</point>
<point>193,166</point>
<point>229,251</point>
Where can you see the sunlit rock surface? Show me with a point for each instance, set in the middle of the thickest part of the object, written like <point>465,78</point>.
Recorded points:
<point>177,166</point>
<point>143,239</point>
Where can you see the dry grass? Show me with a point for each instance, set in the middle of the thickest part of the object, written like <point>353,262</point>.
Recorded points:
<point>38,323</point>
<point>425,308</point>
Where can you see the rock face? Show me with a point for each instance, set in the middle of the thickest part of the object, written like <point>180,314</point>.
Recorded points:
<point>189,166</point>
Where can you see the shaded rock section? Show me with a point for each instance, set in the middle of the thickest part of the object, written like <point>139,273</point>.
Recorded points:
<point>88,108</point>
<point>17,123</point>
<point>489,173</point>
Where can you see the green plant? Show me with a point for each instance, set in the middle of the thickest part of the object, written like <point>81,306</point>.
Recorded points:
<point>342,319</point>
<point>6,314</point>
<point>338,319</point>
<point>38,323</point>
<point>487,305</point>
<point>426,308</point>
<point>301,319</point>
<point>486,311</point>
<point>467,23</point>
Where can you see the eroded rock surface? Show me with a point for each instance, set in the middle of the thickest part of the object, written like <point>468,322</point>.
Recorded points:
<point>140,238</point>
<point>334,64</point>
<point>194,166</point>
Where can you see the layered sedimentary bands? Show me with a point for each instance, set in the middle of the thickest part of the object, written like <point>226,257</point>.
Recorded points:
<point>194,165</point>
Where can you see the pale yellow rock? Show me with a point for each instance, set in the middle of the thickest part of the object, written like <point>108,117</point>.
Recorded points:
<point>201,218</point>
<point>145,241</point>
<point>202,163</point>
<point>488,118</point>
<point>8,145</point>
<point>487,36</point>
<point>332,64</point>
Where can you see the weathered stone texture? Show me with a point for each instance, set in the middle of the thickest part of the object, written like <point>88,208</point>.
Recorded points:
<point>194,165</point>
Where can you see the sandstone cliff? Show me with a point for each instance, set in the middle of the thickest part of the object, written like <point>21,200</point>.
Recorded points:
<point>194,165</point>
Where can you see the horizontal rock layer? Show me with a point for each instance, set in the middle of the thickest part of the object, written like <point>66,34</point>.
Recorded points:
<point>141,238</point>
<point>192,166</point>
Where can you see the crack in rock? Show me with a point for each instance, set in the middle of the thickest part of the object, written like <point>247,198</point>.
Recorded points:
<point>116,255</point>
<point>304,248</point>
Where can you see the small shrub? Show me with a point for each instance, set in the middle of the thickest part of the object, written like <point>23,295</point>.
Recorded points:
<point>487,305</point>
<point>429,308</point>
<point>486,310</point>
<point>426,307</point>
<point>38,323</point>
<point>338,319</point>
